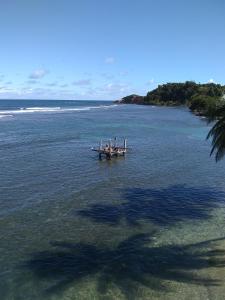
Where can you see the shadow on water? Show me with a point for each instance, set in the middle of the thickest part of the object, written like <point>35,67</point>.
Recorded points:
<point>133,263</point>
<point>160,206</point>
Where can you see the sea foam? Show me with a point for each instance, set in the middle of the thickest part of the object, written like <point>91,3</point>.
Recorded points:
<point>25,110</point>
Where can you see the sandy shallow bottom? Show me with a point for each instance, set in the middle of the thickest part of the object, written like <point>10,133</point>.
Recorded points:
<point>88,257</point>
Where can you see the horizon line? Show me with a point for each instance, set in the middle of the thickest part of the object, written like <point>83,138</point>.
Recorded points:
<point>38,99</point>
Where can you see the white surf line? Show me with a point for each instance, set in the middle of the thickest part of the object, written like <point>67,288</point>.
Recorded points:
<point>24,110</point>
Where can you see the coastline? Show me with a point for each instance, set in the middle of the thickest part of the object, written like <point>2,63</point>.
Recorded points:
<point>202,99</point>
<point>171,104</point>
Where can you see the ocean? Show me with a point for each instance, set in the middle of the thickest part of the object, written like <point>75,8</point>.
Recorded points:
<point>150,225</point>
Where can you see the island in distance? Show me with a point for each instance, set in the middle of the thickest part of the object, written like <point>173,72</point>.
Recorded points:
<point>200,98</point>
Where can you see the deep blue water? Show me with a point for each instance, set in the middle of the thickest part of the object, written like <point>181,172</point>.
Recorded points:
<point>139,227</point>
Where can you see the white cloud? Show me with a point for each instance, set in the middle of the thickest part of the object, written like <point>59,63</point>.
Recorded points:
<point>114,88</point>
<point>87,74</point>
<point>38,74</point>
<point>151,81</point>
<point>110,60</point>
<point>52,84</point>
<point>5,89</point>
<point>123,73</point>
<point>32,81</point>
<point>107,76</point>
<point>211,80</point>
<point>34,93</point>
<point>56,90</point>
<point>82,82</point>
<point>63,85</point>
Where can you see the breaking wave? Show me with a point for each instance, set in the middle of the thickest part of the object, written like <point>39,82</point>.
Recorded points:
<point>5,116</point>
<point>26,110</point>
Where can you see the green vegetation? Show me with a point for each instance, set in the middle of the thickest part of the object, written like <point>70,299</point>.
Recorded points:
<point>202,99</point>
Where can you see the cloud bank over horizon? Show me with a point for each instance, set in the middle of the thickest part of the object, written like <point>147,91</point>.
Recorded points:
<point>105,86</point>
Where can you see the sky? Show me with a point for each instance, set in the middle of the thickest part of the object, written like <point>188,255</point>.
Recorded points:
<point>107,49</point>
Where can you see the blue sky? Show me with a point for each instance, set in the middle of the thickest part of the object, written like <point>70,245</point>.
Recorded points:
<point>106,49</point>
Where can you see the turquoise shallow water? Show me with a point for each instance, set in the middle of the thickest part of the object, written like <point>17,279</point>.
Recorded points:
<point>147,226</point>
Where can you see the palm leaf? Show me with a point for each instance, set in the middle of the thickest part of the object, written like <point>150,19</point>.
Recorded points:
<point>217,133</point>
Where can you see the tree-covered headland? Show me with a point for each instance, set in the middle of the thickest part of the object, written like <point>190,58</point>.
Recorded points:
<point>202,99</point>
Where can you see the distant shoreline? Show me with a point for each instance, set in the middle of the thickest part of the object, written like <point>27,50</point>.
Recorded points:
<point>201,99</point>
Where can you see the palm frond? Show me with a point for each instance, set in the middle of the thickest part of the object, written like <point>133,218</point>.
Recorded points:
<point>217,133</point>
<point>214,113</point>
